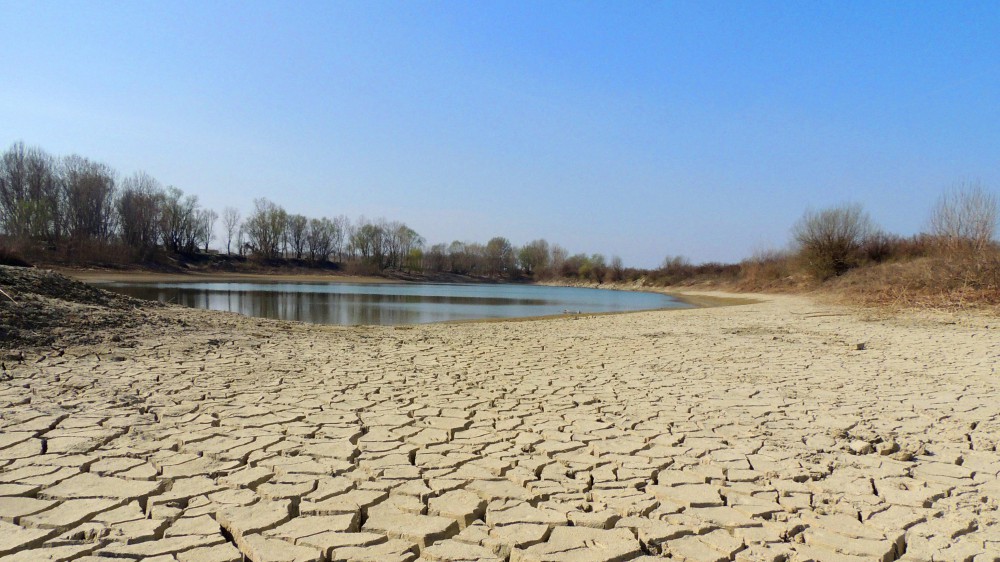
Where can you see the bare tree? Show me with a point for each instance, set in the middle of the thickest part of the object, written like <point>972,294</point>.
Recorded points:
<point>559,255</point>
<point>319,239</point>
<point>616,271</point>
<point>367,242</point>
<point>265,228</point>
<point>205,227</point>
<point>13,189</point>
<point>179,225</point>
<point>298,227</point>
<point>404,246</point>
<point>231,224</point>
<point>965,218</point>
<point>830,240</point>
<point>436,258</point>
<point>460,258</point>
<point>139,209</point>
<point>30,188</point>
<point>89,195</point>
<point>340,235</point>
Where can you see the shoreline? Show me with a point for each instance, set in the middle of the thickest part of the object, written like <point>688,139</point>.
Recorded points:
<point>696,299</point>
<point>766,428</point>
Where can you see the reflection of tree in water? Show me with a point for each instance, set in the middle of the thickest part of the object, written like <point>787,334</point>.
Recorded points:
<point>347,308</point>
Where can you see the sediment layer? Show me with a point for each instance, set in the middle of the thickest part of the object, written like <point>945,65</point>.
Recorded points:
<point>782,430</point>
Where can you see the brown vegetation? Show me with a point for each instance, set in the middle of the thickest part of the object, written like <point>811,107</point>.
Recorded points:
<point>72,210</point>
<point>841,251</point>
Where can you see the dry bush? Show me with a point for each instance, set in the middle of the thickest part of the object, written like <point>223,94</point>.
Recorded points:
<point>881,247</point>
<point>766,269</point>
<point>679,271</point>
<point>830,240</point>
<point>936,281</point>
<point>965,219</point>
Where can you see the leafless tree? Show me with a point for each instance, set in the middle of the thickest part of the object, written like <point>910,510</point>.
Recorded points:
<point>139,209</point>
<point>205,227</point>
<point>89,195</point>
<point>298,229</point>
<point>179,225</point>
<point>830,240</point>
<point>231,224</point>
<point>616,271</point>
<point>13,180</point>
<point>265,228</point>
<point>559,255</point>
<point>403,246</point>
<point>30,186</point>
<point>965,218</point>
<point>436,258</point>
<point>340,235</point>
<point>319,239</point>
<point>368,242</point>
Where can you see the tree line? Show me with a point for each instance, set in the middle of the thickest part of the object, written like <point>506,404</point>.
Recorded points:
<point>74,209</point>
<point>74,205</point>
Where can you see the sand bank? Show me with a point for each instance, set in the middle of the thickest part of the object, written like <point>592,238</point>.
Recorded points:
<point>756,432</point>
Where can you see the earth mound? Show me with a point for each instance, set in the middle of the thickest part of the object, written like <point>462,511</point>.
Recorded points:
<point>43,308</point>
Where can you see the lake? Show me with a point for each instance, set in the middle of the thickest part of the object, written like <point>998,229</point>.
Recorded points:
<point>393,303</point>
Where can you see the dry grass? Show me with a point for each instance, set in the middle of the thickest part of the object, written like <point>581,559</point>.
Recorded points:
<point>896,273</point>
<point>770,270</point>
<point>952,282</point>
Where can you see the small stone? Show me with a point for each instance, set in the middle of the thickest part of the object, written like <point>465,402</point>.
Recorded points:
<point>860,447</point>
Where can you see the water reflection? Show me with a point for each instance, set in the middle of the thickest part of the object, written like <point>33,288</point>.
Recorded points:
<point>347,304</point>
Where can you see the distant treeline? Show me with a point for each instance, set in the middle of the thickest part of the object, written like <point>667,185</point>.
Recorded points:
<point>75,210</point>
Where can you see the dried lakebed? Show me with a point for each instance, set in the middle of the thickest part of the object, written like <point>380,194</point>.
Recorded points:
<point>757,432</point>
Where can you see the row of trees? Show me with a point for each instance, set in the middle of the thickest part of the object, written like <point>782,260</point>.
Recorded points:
<point>270,232</point>
<point>536,259</point>
<point>49,203</point>
<point>84,210</point>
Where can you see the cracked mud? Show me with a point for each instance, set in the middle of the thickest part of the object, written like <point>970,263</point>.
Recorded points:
<point>757,432</point>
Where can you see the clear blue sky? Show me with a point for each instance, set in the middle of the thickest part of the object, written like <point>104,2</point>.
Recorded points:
<point>640,128</point>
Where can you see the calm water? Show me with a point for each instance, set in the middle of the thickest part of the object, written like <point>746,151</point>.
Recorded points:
<point>395,303</point>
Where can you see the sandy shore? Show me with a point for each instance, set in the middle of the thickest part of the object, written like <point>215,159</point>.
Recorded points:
<point>755,432</point>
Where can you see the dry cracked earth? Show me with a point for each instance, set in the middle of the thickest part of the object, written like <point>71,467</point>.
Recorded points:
<point>757,432</point>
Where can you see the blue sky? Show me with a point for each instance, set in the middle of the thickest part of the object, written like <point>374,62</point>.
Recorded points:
<point>642,129</point>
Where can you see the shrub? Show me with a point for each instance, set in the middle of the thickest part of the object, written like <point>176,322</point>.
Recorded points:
<point>965,219</point>
<point>765,269</point>
<point>830,240</point>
